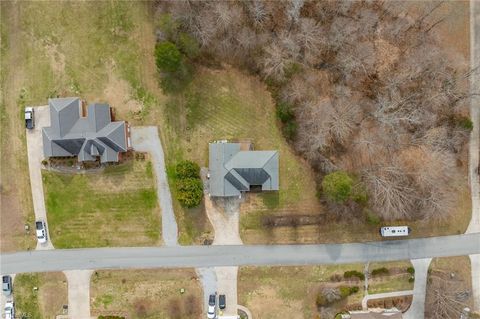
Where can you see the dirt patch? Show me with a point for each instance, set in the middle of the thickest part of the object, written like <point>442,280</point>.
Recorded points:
<point>57,59</point>
<point>118,93</point>
<point>277,306</point>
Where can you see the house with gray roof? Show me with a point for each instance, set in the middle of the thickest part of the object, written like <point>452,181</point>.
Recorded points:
<point>233,171</point>
<point>89,137</point>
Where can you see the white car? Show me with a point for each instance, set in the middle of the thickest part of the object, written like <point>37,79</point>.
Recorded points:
<point>41,229</point>
<point>211,312</point>
<point>9,310</point>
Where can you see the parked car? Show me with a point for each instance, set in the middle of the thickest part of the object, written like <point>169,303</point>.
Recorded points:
<point>29,118</point>
<point>41,229</point>
<point>221,302</point>
<point>7,285</point>
<point>9,310</point>
<point>211,306</point>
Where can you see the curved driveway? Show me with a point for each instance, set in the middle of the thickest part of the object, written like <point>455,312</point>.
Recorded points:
<point>225,255</point>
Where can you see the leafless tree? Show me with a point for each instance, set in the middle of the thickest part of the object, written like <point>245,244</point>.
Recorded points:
<point>445,298</point>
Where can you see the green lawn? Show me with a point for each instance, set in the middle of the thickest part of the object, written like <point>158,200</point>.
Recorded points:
<point>115,208</point>
<point>228,104</point>
<point>40,295</point>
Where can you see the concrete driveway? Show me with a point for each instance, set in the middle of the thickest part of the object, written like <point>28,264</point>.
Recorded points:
<point>35,157</point>
<point>78,293</point>
<point>417,309</point>
<point>146,139</point>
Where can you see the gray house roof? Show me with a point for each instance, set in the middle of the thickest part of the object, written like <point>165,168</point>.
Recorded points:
<point>87,137</point>
<point>233,171</point>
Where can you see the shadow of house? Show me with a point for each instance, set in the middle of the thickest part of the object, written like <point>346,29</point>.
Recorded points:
<point>89,137</point>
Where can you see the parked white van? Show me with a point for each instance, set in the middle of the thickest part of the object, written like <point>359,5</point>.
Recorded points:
<point>394,231</point>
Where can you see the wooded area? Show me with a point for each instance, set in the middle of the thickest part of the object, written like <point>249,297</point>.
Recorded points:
<point>362,87</point>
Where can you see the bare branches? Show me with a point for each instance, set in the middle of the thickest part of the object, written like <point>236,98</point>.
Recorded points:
<point>445,299</point>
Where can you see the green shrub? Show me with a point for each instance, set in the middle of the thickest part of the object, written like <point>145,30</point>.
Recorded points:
<point>411,270</point>
<point>188,45</point>
<point>168,26</point>
<point>337,186</point>
<point>189,191</point>
<point>167,57</point>
<point>354,273</point>
<point>187,169</point>
<point>380,271</point>
<point>290,130</point>
<point>284,112</point>
<point>346,291</point>
<point>372,218</point>
<point>321,300</point>
<point>464,122</point>
<point>411,279</point>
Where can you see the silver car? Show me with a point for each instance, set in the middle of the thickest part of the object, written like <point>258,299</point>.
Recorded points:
<point>41,230</point>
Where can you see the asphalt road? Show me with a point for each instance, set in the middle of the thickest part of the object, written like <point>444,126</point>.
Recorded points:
<point>224,255</point>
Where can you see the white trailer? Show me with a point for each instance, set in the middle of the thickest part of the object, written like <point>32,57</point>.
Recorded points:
<point>394,231</point>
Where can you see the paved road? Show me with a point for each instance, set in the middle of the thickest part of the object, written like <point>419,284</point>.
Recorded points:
<point>234,255</point>
<point>145,139</point>
<point>35,157</point>
<point>474,225</point>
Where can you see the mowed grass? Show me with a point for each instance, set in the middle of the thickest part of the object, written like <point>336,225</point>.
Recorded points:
<point>228,104</point>
<point>115,208</point>
<point>146,293</point>
<point>40,295</point>
<point>99,51</point>
<point>290,292</point>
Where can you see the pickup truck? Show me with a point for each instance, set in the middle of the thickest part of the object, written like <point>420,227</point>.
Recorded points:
<point>29,118</point>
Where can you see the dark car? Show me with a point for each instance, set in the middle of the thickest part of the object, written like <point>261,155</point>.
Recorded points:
<point>221,302</point>
<point>7,285</point>
<point>29,118</point>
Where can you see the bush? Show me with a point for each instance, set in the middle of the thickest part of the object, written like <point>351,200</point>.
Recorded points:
<point>464,122</point>
<point>284,112</point>
<point>167,57</point>
<point>187,169</point>
<point>354,273</point>
<point>346,291</point>
<point>188,45</point>
<point>411,270</point>
<point>372,219</point>
<point>411,279</point>
<point>290,130</point>
<point>380,271</point>
<point>337,186</point>
<point>189,191</point>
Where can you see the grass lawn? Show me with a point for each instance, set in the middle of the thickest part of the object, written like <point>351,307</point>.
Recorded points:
<point>115,208</point>
<point>100,51</point>
<point>44,302</point>
<point>146,293</point>
<point>396,280</point>
<point>228,104</point>
<point>290,292</point>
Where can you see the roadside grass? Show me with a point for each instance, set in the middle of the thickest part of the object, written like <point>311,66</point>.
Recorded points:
<point>227,104</point>
<point>291,292</point>
<point>331,230</point>
<point>396,280</point>
<point>146,293</point>
<point>115,208</point>
<point>40,295</point>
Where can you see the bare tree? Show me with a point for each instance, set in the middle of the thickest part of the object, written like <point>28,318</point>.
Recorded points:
<point>445,298</point>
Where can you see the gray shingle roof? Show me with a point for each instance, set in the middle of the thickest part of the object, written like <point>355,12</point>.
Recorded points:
<point>69,134</point>
<point>233,171</point>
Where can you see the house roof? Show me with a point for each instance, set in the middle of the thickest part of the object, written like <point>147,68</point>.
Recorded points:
<point>233,170</point>
<point>86,137</point>
<point>375,315</point>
